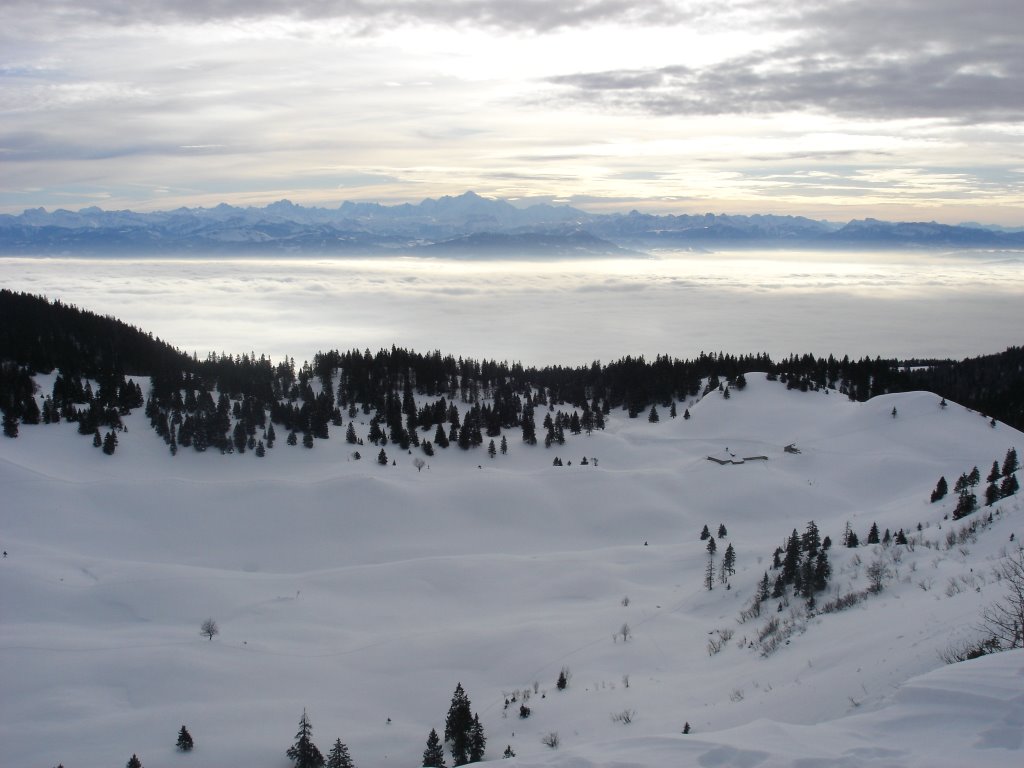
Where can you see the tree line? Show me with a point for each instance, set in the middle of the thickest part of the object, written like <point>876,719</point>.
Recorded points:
<point>192,394</point>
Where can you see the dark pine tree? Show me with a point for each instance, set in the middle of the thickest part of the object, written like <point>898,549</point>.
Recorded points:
<point>304,753</point>
<point>1009,486</point>
<point>994,473</point>
<point>110,443</point>
<point>811,539</point>
<point>477,741</point>
<point>134,762</point>
<point>722,533</point>
<point>653,415</point>
<point>457,726</point>
<point>184,742</point>
<point>965,505</point>
<point>762,591</point>
<point>791,561</point>
<point>1010,463</point>
<point>382,458</point>
<point>779,588</point>
<point>941,489</point>
<point>433,755</point>
<point>704,533</point>
<point>339,756</point>
<point>822,572</point>
<point>991,494</point>
<point>709,571</point>
<point>729,561</point>
<point>873,534</point>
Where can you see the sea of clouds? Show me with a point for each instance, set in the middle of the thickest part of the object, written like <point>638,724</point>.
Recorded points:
<point>556,312</point>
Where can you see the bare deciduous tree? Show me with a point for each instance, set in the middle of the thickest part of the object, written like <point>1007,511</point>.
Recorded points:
<point>1004,619</point>
<point>208,629</point>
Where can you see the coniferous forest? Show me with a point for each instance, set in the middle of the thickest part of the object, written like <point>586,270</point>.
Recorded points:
<point>234,403</point>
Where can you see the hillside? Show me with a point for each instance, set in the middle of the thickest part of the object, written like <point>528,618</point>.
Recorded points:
<point>364,592</point>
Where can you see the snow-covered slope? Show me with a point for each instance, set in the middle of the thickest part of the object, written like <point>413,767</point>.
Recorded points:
<point>364,593</point>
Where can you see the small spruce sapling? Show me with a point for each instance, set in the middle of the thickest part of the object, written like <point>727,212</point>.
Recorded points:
<point>564,676</point>
<point>184,743</point>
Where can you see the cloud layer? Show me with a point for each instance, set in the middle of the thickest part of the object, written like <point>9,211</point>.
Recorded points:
<point>555,313</point>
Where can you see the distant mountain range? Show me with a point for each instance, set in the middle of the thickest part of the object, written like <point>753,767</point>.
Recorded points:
<point>464,226</point>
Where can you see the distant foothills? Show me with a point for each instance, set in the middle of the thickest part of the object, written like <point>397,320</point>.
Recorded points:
<point>464,226</point>
<point>232,404</point>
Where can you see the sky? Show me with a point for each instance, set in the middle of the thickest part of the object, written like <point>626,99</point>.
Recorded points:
<point>835,109</point>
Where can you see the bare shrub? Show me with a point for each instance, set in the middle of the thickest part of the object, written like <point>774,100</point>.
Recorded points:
<point>1004,619</point>
<point>625,716</point>
<point>770,628</point>
<point>877,573</point>
<point>842,602</point>
<point>968,650</point>
<point>753,611</point>
<point>550,740</point>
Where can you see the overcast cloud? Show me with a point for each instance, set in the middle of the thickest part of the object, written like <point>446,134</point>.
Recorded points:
<point>902,109</point>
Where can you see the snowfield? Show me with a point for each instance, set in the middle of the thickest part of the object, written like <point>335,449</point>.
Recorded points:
<point>364,593</point>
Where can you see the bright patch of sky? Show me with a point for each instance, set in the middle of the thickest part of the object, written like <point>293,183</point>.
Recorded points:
<point>904,110</point>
